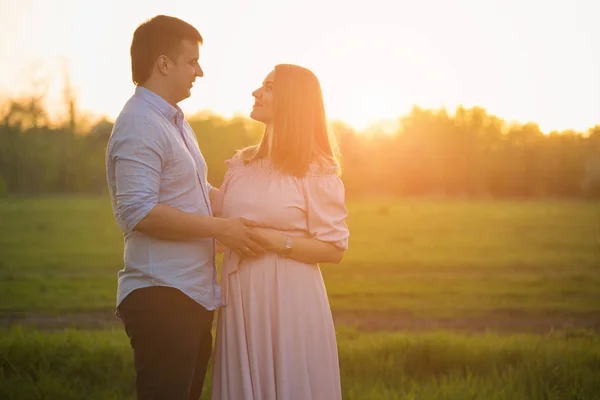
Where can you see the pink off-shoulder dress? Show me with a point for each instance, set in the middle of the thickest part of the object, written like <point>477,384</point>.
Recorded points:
<point>275,335</point>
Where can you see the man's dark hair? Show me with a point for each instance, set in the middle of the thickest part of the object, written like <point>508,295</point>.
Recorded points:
<point>161,35</point>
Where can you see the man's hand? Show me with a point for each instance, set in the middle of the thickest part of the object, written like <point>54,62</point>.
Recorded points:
<point>236,234</point>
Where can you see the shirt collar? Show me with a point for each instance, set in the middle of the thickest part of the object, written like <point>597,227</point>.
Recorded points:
<point>169,111</point>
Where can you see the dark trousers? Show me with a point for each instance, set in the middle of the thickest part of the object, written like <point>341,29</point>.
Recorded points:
<point>171,339</point>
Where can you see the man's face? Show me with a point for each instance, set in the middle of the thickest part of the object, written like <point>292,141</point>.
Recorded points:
<point>263,100</point>
<point>184,70</point>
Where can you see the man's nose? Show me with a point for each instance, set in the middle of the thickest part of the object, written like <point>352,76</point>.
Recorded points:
<point>199,72</point>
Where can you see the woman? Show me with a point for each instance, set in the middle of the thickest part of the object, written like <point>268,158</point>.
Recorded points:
<point>275,335</point>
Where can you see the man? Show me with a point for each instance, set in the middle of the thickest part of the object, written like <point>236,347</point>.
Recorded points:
<point>168,289</point>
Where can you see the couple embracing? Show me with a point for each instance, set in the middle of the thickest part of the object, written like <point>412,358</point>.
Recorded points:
<point>279,213</point>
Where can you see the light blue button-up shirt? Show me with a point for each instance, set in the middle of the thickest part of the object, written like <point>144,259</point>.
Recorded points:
<point>153,157</point>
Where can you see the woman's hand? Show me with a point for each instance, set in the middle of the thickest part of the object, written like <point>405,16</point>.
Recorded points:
<point>271,240</point>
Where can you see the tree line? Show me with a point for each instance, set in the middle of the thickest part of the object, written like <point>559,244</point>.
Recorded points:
<point>430,153</point>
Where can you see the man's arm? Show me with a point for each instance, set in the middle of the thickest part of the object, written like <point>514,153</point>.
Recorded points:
<point>138,165</point>
<point>168,223</point>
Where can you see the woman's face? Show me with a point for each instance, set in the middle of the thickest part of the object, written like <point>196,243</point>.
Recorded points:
<point>262,110</point>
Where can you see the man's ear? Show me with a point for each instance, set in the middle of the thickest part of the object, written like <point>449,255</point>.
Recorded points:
<point>162,63</point>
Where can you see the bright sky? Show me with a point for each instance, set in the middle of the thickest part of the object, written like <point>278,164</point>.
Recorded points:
<point>524,60</point>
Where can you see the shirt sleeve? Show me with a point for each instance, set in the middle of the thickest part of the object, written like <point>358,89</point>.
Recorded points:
<point>138,154</point>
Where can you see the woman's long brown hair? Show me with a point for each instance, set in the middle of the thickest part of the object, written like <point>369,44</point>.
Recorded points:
<point>299,134</point>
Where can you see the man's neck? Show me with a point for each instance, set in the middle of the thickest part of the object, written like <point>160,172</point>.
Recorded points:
<point>160,90</point>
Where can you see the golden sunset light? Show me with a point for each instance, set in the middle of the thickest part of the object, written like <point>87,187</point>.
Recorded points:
<point>384,199</point>
<point>524,61</point>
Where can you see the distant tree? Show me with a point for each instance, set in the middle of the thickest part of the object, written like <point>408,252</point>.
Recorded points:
<point>467,152</point>
<point>591,176</point>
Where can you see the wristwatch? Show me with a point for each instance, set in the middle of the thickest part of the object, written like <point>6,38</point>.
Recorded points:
<point>288,247</point>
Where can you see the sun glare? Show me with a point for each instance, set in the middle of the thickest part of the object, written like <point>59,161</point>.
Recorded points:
<point>374,63</point>
<point>366,80</point>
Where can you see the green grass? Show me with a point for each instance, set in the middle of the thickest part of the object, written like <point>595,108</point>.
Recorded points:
<point>426,258</point>
<point>98,365</point>
<point>411,262</point>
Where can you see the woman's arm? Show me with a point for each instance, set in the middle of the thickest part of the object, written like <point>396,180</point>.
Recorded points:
<point>307,250</point>
<point>212,195</point>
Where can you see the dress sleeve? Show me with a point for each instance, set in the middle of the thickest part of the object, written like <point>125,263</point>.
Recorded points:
<point>326,209</point>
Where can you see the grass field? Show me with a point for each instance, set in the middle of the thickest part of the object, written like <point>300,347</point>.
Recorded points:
<point>488,262</point>
<point>443,366</point>
<point>527,272</point>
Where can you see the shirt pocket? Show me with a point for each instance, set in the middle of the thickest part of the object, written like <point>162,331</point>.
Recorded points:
<point>180,165</point>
